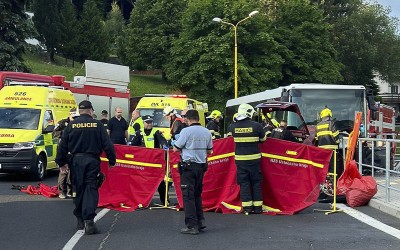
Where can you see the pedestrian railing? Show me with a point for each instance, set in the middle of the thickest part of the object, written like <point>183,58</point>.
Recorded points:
<point>378,158</point>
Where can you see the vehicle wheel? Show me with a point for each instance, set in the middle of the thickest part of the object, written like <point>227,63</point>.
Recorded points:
<point>40,168</point>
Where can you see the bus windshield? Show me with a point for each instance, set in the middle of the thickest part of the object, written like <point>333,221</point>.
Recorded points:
<point>17,118</point>
<point>344,103</point>
<point>159,120</point>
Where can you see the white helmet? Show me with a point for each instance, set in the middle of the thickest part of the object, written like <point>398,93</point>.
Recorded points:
<point>245,110</point>
<point>169,110</point>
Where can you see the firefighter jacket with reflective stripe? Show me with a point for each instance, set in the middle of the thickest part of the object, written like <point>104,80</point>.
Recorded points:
<point>214,129</point>
<point>247,134</point>
<point>327,135</point>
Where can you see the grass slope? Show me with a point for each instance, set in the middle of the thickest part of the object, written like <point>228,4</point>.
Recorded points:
<point>139,84</point>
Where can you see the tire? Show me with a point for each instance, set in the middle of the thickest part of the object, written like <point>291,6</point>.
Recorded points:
<point>40,168</point>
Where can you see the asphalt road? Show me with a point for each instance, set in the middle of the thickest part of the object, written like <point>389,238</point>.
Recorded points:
<point>37,222</point>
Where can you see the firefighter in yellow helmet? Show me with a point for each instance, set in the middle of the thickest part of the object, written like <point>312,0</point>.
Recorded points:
<point>247,135</point>
<point>213,124</point>
<point>327,135</point>
<point>269,124</point>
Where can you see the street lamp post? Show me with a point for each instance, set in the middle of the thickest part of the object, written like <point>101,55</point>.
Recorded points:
<point>219,20</point>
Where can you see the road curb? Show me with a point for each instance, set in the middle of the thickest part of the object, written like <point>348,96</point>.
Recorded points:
<point>385,207</point>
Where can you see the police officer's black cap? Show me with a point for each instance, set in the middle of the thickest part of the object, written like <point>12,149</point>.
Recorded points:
<point>104,112</point>
<point>85,105</point>
<point>147,118</point>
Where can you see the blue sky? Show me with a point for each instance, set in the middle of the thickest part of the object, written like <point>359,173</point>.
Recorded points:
<point>394,4</point>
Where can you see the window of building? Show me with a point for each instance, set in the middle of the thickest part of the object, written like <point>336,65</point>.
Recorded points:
<point>394,89</point>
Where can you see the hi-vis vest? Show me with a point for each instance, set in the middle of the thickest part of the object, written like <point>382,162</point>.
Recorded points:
<point>149,139</point>
<point>139,121</point>
<point>327,135</point>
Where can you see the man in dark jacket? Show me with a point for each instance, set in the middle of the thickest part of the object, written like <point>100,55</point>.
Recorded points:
<point>117,128</point>
<point>283,133</point>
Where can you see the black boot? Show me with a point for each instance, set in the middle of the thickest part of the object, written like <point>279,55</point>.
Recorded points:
<point>257,210</point>
<point>81,224</point>
<point>90,227</point>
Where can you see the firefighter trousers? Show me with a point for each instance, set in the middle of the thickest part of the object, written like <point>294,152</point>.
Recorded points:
<point>249,178</point>
<point>192,187</point>
<point>85,168</point>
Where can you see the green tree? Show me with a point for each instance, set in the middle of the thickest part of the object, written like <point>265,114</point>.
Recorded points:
<point>47,22</point>
<point>276,47</point>
<point>15,28</point>
<point>309,55</point>
<point>146,41</point>
<point>69,45</point>
<point>202,59</point>
<point>114,25</point>
<point>366,40</point>
<point>92,38</point>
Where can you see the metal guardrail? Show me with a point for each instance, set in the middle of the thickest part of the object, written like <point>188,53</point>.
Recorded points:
<point>387,173</point>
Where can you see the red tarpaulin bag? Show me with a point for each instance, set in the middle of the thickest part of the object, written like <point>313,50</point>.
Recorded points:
<point>32,190</point>
<point>42,189</point>
<point>358,189</point>
<point>48,191</point>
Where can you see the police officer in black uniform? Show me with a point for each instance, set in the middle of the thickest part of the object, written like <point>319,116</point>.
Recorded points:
<point>195,142</point>
<point>247,134</point>
<point>85,138</point>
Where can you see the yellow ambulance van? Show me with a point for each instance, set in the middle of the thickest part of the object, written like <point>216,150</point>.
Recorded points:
<point>154,104</point>
<point>28,115</point>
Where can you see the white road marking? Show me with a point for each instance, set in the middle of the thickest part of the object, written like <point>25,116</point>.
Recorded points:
<point>72,242</point>
<point>369,220</point>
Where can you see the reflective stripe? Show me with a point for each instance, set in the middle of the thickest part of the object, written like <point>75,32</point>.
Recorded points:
<point>329,146</point>
<point>323,126</point>
<point>137,163</point>
<point>264,138</point>
<point>324,133</point>
<point>258,203</point>
<point>335,134</point>
<point>272,156</point>
<point>247,203</point>
<point>267,208</point>
<point>246,139</point>
<point>247,157</point>
<point>216,157</point>
<point>230,206</point>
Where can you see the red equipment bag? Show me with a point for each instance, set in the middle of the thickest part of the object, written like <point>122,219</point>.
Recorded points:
<point>358,189</point>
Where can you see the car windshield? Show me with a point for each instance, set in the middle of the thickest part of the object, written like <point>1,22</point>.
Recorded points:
<point>159,120</point>
<point>19,118</point>
<point>293,119</point>
<point>344,104</point>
